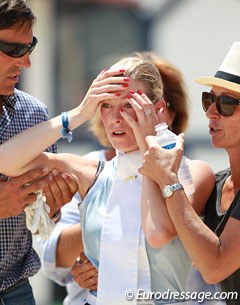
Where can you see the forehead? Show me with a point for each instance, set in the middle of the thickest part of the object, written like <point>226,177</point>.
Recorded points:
<point>137,85</point>
<point>134,85</point>
<point>20,33</point>
<point>223,91</point>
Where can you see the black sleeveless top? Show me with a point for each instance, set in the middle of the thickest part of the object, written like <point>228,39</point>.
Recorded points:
<point>216,221</point>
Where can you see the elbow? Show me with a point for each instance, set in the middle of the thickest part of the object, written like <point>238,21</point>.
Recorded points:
<point>211,278</point>
<point>159,239</point>
<point>211,275</point>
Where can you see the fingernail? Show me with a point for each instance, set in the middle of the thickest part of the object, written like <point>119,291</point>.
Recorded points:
<point>161,110</point>
<point>126,79</point>
<point>64,175</point>
<point>55,172</point>
<point>128,96</point>
<point>45,169</point>
<point>121,109</point>
<point>118,94</point>
<point>140,92</point>
<point>122,70</point>
<point>125,85</point>
<point>132,91</point>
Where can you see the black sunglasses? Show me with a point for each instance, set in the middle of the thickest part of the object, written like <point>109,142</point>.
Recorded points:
<point>17,50</point>
<point>225,104</point>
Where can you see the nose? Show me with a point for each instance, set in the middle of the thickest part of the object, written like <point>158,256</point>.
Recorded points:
<point>116,115</point>
<point>24,61</point>
<point>212,112</point>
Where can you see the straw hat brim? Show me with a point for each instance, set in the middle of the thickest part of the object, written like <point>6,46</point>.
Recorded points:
<point>215,81</point>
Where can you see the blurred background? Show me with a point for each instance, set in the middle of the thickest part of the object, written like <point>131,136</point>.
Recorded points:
<point>78,38</point>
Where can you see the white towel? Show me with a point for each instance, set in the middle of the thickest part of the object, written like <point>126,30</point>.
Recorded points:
<point>37,217</point>
<point>123,263</point>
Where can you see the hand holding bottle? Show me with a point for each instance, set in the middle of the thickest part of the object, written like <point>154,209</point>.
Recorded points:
<point>167,139</point>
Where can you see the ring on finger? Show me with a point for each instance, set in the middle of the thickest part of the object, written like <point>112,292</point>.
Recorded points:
<point>147,112</point>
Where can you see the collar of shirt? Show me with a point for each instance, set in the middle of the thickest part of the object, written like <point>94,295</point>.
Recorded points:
<point>9,100</point>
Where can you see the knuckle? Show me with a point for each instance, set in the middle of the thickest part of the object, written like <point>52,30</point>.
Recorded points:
<point>67,198</point>
<point>73,272</point>
<point>49,199</point>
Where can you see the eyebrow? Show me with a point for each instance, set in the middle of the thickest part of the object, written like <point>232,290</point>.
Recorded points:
<point>227,94</point>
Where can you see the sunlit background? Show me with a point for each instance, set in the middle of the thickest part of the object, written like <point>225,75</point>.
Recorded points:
<point>78,38</point>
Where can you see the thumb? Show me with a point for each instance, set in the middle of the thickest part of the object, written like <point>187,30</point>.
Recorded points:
<point>151,140</point>
<point>83,258</point>
<point>180,141</point>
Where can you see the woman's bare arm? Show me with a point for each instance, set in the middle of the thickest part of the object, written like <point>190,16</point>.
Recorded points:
<point>215,257</point>
<point>157,224</point>
<point>19,151</point>
<point>69,246</point>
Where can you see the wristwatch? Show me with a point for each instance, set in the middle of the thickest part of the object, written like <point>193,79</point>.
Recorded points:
<point>168,190</point>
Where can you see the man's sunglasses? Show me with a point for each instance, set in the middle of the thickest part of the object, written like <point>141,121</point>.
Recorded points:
<point>17,50</point>
<point>225,104</point>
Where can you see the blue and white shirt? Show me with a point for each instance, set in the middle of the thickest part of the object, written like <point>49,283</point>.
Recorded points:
<point>18,259</point>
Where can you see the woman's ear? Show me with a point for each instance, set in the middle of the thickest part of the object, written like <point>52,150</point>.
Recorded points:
<point>164,113</point>
<point>161,104</point>
<point>160,107</point>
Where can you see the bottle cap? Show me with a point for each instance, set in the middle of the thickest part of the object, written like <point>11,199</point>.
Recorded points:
<point>161,126</point>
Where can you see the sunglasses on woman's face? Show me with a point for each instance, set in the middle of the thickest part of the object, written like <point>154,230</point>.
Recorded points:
<point>225,104</point>
<point>17,50</point>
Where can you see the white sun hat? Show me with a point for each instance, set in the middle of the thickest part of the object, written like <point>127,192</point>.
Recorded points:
<point>228,75</point>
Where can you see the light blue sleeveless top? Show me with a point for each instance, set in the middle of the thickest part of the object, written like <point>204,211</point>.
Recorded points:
<point>169,265</point>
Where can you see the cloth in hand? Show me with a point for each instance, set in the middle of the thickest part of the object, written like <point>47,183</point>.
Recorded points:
<point>37,217</point>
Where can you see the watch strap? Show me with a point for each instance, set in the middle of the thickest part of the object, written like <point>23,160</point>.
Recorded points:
<point>168,190</point>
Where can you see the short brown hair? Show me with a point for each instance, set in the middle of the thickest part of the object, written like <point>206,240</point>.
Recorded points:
<point>15,12</point>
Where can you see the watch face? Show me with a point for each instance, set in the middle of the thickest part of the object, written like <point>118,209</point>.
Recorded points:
<point>167,191</point>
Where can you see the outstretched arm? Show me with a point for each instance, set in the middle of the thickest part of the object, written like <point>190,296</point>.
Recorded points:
<point>19,151</point>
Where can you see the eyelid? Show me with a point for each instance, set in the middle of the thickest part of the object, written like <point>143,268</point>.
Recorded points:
<point>106,105</point>
<point>128,105</point>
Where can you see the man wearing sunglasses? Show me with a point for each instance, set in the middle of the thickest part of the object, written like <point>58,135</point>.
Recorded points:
<point>19,111</point>
<point>214,246</point>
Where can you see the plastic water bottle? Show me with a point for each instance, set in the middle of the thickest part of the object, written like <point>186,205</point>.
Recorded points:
<point>167,139</point>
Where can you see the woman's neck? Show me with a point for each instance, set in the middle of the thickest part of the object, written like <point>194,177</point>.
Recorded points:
<point>234,160</point>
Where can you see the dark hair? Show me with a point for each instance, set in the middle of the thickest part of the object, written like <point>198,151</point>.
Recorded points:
<point>15,12</point>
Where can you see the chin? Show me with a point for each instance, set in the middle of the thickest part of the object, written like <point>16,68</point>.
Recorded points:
<point>7,91</point>
<point>217,145</point>
<point>124,145</point>
<point>125,149</point>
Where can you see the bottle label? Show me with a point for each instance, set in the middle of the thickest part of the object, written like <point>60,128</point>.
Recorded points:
<point>169,146</point>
